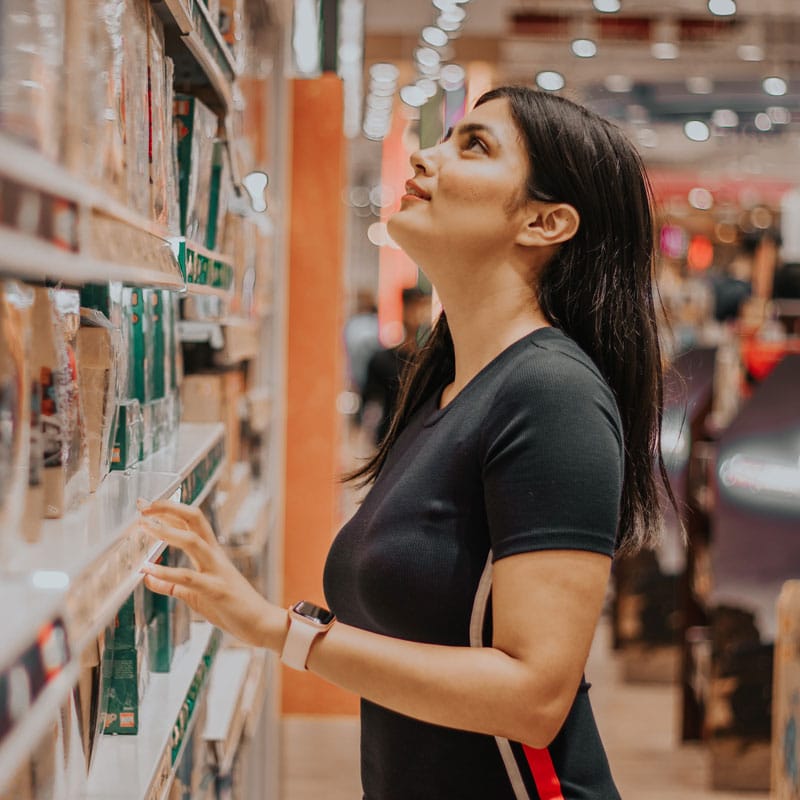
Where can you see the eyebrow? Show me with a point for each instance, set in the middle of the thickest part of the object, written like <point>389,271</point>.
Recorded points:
<point>471,127</point>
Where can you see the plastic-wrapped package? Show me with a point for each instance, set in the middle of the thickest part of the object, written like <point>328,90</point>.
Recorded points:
<point>171,154</point>
<point>219,196</point>
<point>197,131</point>
<point>95,102</point>
<point>31,72</point>
<point>99,353</point>
<point>15,337</point>
<point>56,319</point>
<point>159,111</point>
<point>136,122</point>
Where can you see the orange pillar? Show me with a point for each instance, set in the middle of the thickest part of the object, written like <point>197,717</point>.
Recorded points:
<point>314,364</point>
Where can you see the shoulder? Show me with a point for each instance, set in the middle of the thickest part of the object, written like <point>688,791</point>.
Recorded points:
<point>551,368</point>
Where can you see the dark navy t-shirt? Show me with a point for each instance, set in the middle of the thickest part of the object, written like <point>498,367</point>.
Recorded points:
<point>528,456</point>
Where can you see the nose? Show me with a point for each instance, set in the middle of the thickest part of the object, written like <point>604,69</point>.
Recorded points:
<point>422,161</point>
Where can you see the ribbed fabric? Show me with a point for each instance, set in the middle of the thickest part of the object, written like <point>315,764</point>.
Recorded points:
<point>528,456</point>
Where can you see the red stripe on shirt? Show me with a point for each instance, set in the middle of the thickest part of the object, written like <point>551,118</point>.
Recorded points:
<point>544,774</point>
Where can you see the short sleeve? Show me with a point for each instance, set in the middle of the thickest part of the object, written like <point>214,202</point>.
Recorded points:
<point>552,458</point>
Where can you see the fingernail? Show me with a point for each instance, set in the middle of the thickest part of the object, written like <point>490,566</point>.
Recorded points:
<point>142,504</point>
<point>145,570</point>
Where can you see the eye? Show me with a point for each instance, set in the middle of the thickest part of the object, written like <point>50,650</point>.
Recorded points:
<point>473,142</point>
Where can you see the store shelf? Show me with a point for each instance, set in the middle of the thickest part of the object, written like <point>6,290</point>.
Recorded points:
<point>205,271</point>
<point>29,258</point>
<point>204,56</point>
<point>84,567</point>
<point>235,683</point>
<point>56,243</point>
<point>143,766</point>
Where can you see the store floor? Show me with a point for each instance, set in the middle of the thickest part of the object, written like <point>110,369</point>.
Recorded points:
<point>637,723</point>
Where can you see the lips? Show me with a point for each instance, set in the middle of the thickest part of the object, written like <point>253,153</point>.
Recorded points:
<point>415,190</point>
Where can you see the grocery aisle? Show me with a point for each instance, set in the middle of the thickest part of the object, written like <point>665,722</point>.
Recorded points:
<point>637,724</point>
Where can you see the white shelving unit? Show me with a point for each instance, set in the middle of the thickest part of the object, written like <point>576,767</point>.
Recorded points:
<point>141,767</point>
<point>82,570</point>
<point>70,584</point>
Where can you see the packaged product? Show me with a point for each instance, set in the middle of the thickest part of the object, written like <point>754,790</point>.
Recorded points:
<point>88,699</point>
<point>34,497</point>
<point>171,148</point>
<point>15,387</point>
<point>128,438</point>
<point>56,319</point>
<point>196,132</point>
<point>785,782</point>
<point>120,674</point>
<point>99,365</point>
<point>219,195</point>
<point>215,397</point>
<point>141,344</point>
<point>94,144</point>
<point>231,24</point>
<point>31,66</point>
<point>159,111</point>
<point>136,122</point>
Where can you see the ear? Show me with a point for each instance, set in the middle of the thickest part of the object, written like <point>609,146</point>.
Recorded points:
<point>548,224</point>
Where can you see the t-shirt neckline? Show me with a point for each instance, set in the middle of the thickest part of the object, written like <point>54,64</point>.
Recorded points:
<point>435,413</point>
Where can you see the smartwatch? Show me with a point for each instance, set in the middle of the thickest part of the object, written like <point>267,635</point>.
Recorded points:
<point>306,622</point>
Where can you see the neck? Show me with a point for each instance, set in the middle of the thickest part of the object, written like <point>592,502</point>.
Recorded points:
<point>485,317</point>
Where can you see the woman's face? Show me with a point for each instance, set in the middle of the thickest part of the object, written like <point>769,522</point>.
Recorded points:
<point>470,186</point>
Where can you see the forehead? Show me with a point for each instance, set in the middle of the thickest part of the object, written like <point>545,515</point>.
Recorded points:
<point>496,115</point>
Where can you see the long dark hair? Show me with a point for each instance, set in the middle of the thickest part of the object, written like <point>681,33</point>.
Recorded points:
<point>598,289</point>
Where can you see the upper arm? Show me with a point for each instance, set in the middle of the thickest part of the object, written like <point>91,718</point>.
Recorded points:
<point>552,477</point>
<point>545,607</point>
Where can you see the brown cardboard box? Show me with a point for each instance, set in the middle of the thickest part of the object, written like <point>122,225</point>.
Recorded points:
<point>214,397</point>
<point>786,697</point>
<point>97,374</point>
<point>56,318</point>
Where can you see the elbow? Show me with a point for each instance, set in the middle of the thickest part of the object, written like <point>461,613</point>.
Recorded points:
<point>540,723</point>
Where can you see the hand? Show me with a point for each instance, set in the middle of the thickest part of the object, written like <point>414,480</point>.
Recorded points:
<point>214,588</point>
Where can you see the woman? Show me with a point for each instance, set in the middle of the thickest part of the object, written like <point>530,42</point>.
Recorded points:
<point>469,583</point>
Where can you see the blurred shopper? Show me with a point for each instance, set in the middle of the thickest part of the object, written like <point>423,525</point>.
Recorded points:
<point>386,366</point>
<point>361,339</point>
<point>521,457</point>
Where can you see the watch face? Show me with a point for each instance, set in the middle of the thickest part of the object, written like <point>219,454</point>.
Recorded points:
<point>315,613</point>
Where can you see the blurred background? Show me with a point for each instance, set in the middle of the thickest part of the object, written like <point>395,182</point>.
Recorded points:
<point>199,300</point>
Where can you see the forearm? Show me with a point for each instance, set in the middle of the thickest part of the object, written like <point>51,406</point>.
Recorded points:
<point>477,689</point>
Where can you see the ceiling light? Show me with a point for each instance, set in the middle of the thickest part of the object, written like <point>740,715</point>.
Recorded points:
<point>434,36</point>
<point>447,24</point>
<point>665,51</point>
<point>701,198</point>
<point>453,77</point>
<point>699,84</point>
<point>584,48</point>
<point>763,122</point>
<point>774,86</point>
<point>779,115</point>
<point>697,131</point>
<point>618,83</point>
<point>413,96</point>
<point>607,6</point>
<point>647,137</point>
<point>305,37</point>
<point>725,118</point>
<point>454,14</point>
<point>428,85</point>
<point>550,81</point>
<point>443,5</point>
<point>427,57</point>
<point>750,52</point>
<point>384,73</point>
<point>722,8</point>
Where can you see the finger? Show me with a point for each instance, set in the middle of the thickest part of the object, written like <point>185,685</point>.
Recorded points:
<point>191,544</point>
<point>177,575</point>
<point>190,515</point>
<point>160,586</point>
